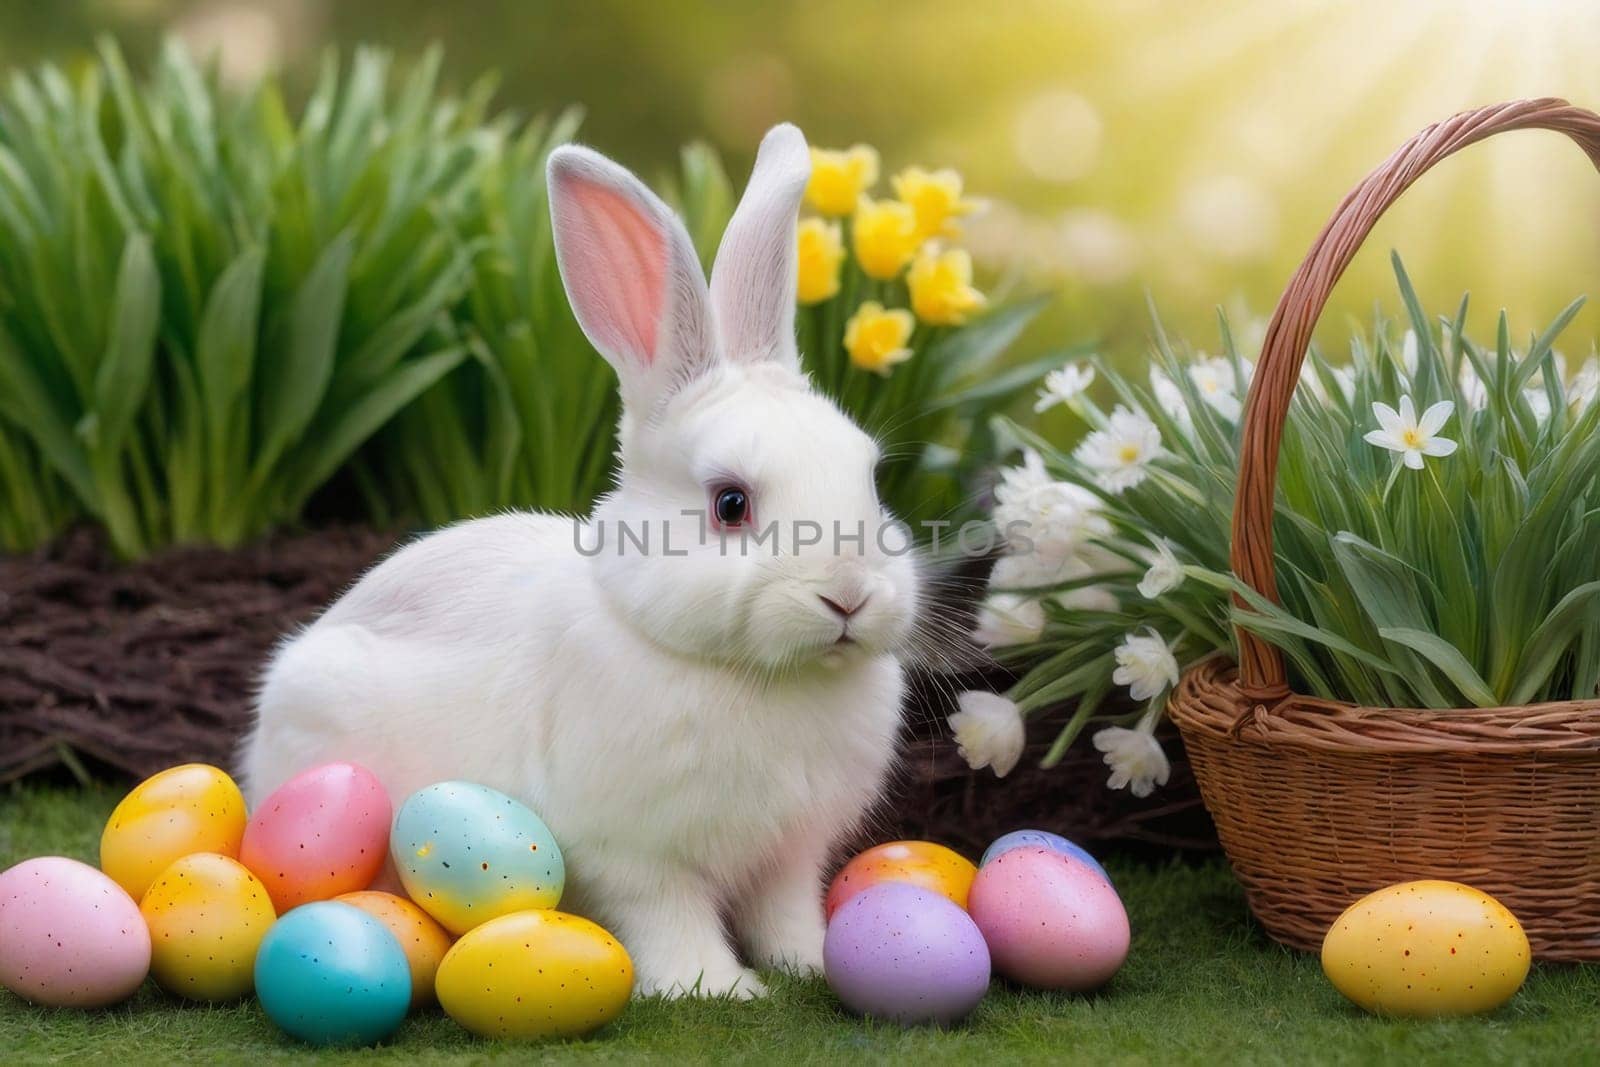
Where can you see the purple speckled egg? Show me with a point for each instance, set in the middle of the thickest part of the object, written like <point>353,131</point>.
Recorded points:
<point>897,951</point>
<point>69,936</point>
<point>1051,921</point>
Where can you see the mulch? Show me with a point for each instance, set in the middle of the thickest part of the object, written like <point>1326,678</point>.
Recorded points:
<point>124,669</point>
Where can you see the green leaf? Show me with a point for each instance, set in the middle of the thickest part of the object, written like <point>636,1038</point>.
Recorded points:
<point>1445,656</point>
<point>361,420</point>
<point>124,373</point>
<point>30,405</point>
<point>973,347</point>
<point>295,377</point>
<point>1553,638</point>
<point>226,348</point>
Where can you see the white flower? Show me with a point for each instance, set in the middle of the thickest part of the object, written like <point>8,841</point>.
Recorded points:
<point>1054,518</point>
<point>1170,397</point>
<point>1063,384</point>
<point>1539,401</point>
<point>1473,390</point>
<point>1165,573</point>
<point>1214,380</point>
<point>1135,758</point>
<point>1401,431</point>
<point>1119,454</point>
<point>1408,353</point>
<point>1145,665</point>
<point>989,732</point>
<point>1584,388</point>
<point>1008,619</point>
<point>1031,570</point>
<point>1346,379</point>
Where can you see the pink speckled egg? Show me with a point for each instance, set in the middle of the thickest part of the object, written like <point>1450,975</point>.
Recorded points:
<point>69,936</point>
<point>1050,921</point>
<point>899,951</point>
<point>324,832</point>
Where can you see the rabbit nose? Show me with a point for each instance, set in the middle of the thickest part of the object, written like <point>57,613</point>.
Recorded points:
<point>843,607</point>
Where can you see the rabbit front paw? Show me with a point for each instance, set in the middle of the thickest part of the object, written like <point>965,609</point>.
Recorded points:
<point>782,929</point>
<point>731,981</point>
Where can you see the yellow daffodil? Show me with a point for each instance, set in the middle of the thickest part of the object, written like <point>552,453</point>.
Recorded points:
<point>941,287</point>
<point>821,253</point>
<point>884,233</point>
<point>935,198</point>
<point>876,338</point>
<point>839,177</point>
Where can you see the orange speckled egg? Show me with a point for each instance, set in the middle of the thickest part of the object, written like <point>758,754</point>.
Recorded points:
<point>323,832</point>
<point>1427,948</point>
<point>192,808</point>
<point>425,941</point>
<point>207,915</point>
<point>919,863</point>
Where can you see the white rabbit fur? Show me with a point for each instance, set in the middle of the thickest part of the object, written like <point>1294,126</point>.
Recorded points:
<point>691,727</point>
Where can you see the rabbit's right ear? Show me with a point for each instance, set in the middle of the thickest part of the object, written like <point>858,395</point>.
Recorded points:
<point>631,275</point>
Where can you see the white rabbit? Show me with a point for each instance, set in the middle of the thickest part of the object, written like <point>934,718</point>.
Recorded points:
<point>698,720</point>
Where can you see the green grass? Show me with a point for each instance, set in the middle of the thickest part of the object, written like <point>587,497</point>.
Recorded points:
<point>1203,985</point>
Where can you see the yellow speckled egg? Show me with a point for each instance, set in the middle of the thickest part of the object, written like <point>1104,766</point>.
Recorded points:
<point>207,915</point>
<point>1427,948</point>
<point>535,974</point>
<point>425,942</point>
<point>192,808</point>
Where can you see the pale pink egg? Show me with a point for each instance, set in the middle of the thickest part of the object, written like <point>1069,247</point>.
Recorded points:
<point>69,936</point>
<point>322,833</point>
<point>1050,921</point>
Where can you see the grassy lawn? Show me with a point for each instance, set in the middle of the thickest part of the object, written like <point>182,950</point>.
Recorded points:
<point>1202,986</point>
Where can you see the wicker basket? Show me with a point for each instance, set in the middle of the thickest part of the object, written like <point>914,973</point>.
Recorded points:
<point>1319,802</point>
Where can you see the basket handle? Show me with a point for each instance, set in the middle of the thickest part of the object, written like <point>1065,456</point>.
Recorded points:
<point>1261,671</point>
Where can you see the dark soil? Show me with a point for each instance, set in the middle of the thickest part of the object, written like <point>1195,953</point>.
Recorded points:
<point>127,669</point>
<point>142,666</point>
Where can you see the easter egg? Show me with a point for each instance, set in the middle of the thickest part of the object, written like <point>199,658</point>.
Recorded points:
<point>535,974</point>
<point>1426,948</point>
<point>920,863</point>
<point>330,974</point>
<point>1051,921</point>
<point>1040,839</point>
<point>192,808</point>
<point>467,853</point>
<point>69,936</point>
<point>424,941</point>
<point>899,951</point>
<point>207,915</point>
<point>323,832</point>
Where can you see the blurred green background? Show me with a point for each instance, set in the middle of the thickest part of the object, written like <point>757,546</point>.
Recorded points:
<point>1188,150</point>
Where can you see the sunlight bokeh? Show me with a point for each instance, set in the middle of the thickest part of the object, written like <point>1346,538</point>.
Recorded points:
<point>1188,151</point>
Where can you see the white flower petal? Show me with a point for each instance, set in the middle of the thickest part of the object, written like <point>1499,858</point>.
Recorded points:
<point>1388,417</point>
<point>989,731</point>
<point>1383,439</point>
<point>1435,417</point>
<point>1413,459</point>
<point>1408,411</point>
<point>1135,759</point>
<point>1438,446</point>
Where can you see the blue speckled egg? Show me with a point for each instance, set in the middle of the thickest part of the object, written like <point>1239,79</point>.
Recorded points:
<point>330,974</point>
<point>467,854</point>
<point>1040,839</point>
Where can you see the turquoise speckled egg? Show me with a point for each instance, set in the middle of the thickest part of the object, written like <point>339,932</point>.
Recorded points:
<point>330,974</point>
<point>467,854</point>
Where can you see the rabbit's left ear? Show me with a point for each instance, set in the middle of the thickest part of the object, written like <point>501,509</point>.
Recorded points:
<point>753,279</point>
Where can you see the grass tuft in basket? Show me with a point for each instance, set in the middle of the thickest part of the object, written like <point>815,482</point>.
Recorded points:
<point>1437,528</point>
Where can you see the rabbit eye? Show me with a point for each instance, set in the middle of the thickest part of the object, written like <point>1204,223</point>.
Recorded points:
<point>731,506</point>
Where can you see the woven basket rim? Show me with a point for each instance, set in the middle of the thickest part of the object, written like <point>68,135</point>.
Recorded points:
<point>1209,698</point>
